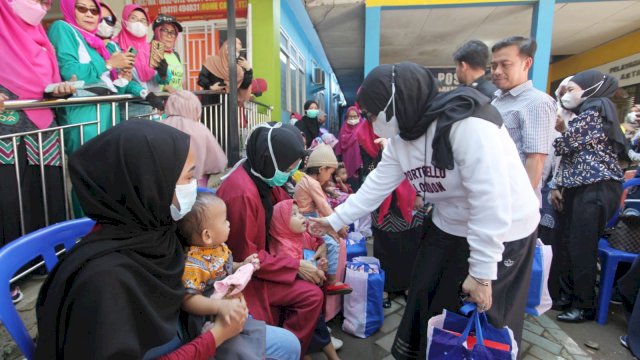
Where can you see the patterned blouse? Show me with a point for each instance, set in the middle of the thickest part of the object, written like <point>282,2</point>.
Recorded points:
<point>587,155</point>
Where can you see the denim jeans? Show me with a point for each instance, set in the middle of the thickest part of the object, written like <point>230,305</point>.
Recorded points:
<point>333,248</point>
<point>281,344</point>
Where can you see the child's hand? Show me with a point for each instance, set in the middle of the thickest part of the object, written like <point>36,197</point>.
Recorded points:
<point>254,260</point>
<point>323,264</point>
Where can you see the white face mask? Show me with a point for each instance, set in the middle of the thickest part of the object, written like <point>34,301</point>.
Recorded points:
<point>137,29</point>
<point>572,100</point>
<point>353,121</point>
<point>186,195</point>
<point>105,31</point>
<point>382,127</point>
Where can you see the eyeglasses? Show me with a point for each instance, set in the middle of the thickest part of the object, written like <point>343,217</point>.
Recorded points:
<point>83,10</point>
<point>142,20</point>
<point>110,20</point>
<point>168,32</point>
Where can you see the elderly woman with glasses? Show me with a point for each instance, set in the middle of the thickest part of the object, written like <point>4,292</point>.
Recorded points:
<point>166,29</point>
<point>82,55</point>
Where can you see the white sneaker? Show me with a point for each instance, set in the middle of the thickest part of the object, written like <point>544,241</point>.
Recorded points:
<point>337,343</point>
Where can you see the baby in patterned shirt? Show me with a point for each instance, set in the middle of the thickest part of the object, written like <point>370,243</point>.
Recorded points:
<point>208,259</point>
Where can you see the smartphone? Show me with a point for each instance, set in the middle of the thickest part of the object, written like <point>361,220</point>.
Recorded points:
<point>132,50</point>
<point>243,53</point>
<point>76,84</point>
<point>157,51</point>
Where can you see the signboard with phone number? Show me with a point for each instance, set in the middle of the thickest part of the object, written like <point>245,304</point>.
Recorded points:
<point>188,10</point>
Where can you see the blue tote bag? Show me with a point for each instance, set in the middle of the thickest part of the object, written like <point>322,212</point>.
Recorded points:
<point>453,336</point>
<point>362,309</point>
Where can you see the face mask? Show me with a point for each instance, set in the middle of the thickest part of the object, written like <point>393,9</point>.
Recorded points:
<point>382,127</point>
<point>186,195</point>
<point>353,121</point>
<point>137,29</point>
<point>29,11</point>
<point>313,113</point>
<point>104,30</point>
<point>572,100</point>
<point>279,178</point>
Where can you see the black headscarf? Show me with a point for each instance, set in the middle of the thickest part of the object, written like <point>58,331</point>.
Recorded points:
<point>418,104</point>
<point>118,292</point>
<point>599,97</point>
<point>287,147</point>
<point>309,127</point>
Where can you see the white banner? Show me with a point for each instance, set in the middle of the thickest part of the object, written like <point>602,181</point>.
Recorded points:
<point>626,70</point>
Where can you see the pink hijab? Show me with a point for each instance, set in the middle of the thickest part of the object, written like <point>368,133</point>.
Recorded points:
<point>183,111</point>
<point>68,8</point>
<point>31,53</point>
<point>284,241</point>
<point>126,39</point>
<point>348,144</point>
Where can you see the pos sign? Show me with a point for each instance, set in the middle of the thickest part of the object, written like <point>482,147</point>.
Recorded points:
<point>447,78</point>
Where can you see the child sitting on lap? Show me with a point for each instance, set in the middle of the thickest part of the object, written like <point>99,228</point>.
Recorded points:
<point>208,260</point>
<point>289,236</point>
<point>313,202</point>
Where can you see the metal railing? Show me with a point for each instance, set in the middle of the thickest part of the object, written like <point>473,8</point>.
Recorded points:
<point>214,118</point>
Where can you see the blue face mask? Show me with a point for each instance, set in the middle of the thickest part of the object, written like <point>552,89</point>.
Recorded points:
<point>313,113</point>
<point>279,178</point>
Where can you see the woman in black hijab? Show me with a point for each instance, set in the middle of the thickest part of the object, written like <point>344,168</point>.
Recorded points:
<point>455,152</point>
<point>588,187</point>
<point>117,293</point>
<point>309,124</point>
<point>274,151</point>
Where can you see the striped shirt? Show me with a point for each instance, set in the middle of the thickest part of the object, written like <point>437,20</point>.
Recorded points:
<point>530,117</point>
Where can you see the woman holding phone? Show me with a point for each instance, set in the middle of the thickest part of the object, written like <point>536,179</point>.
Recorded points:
<point>135,25</point>
<point>214,74</point>
<point>166,29</point>
<point>83,55</point>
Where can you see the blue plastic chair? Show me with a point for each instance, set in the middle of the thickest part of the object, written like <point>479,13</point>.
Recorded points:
<point>20,252</point>
<point>609,260</point>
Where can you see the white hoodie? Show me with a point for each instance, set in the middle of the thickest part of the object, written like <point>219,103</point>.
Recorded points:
<point>487,197</point>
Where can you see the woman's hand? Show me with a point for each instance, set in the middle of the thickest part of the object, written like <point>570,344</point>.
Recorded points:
<point>218,87</point>
<point>3,97</point>
<point>561,127</point>
<point>232,310</point>
<point>126,74</point>
<point>310,273</point>
<point>244,64</point>
<point>120,60</point>
<point>478,293</point>
<point>319,226</point>
<point>555,198</point>
<point>224,330</point>
<point>65,88</point>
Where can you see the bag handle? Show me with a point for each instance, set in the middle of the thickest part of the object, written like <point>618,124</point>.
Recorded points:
<point>474,322</point>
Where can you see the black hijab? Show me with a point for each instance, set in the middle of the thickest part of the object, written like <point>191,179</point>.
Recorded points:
<point>598,97</point>
<point>418,104</point>
<point>117,293</point>
<point>288,147</point>
<point>309,127</point>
